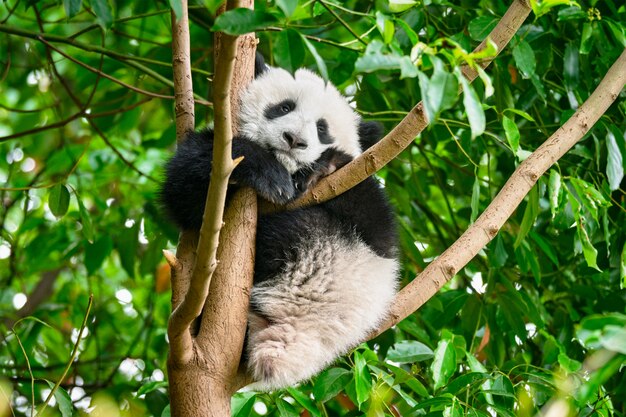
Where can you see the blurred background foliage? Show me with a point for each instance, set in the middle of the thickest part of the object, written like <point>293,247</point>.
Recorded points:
<point>536,321</point>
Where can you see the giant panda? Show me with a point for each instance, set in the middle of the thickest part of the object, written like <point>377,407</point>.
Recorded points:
<point>324,275</point>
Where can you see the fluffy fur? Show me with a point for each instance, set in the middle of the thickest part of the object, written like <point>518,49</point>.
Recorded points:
<point>324,275</point>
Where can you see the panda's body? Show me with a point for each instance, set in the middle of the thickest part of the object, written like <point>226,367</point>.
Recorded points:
<point>324,275</point>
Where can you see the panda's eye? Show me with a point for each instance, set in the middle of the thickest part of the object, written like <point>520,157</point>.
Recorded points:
<point>322,132</point>
<point>279,109</point>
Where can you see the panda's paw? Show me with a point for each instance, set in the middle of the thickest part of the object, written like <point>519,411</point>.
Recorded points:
<point>278,192</point>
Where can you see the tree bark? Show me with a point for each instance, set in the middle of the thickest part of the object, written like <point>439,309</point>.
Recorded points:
<point>212,271</point>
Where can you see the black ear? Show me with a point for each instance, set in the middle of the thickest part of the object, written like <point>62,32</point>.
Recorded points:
<point>369,133</point>
<point>259,65</point>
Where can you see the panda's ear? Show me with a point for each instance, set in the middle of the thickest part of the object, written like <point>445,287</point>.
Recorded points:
<point>369,133</point>
<point>259,65</point>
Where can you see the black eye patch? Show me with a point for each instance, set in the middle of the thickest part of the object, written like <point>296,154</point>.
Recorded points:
<point>277,110</point>
<point>322,132</point>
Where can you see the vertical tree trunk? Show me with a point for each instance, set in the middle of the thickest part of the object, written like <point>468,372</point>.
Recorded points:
<point>205,352</point>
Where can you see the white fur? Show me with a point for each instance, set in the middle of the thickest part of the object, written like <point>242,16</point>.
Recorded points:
<point>321,306</point>
<point>314,98</point>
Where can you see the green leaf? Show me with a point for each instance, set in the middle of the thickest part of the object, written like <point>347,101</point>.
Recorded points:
<point>177,6</point>
<point>72,7</point>
<point>403,377</point>
<point>241,404</point>
<point>442,90</point>
<point>481,26</point>
<point>85,219</point>
<point>63,400</point>
<point>409,351</point>
<point>444,363</point>
<point>512,133</point>
<point>321,65</point>
<point>362,379</point>
<point>589,251</point>
<point>102,9</point>
<point>305,401</point>
<point>399,6</point>
<point>377,58</point>
<point>385,27</point>
<point>127,244</point>
<point>614,163</point>
<point>545,247</point>
<point>571,66</point>
<point>500,255</point>
<point>167,412</point>
<point>287,6</point>
<point>151,386</point>
<point>96,253</point>
<point>524,57</point>
<point>242,20</point>
<point>466,381</point>
<point>59,200</point>
<point>530,214</point>
<point>520,113</point>
<point>285,409</point>
<point>475,203</point>
<point>289,50</point>
<point>586,40</point>
<point>554,191</point>
<point>473,108</point>
<point>622,268</point>
<point>589,196</point>
<point>410,33</point>
<point>330,383</point>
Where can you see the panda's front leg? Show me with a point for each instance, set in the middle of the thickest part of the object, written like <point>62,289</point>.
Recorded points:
<point>260,170</point>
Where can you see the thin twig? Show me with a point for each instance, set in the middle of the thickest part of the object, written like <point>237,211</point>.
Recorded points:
<point>71,361</point>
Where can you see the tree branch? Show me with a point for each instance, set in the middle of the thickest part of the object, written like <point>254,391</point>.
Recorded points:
<point>508,199</point>
<point>413,123</point>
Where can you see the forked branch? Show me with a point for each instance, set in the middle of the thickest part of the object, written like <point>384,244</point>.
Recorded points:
<point>486,227</point>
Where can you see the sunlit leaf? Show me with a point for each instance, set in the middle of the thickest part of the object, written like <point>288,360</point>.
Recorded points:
<point>330,383</point>
<point>362,379</point>
<point>614,163</point>
<point>444,363</point>
<point>399,6</point>
<point>525,59</point>
<point>473,108</point>
<point>511,132</point>
<point>63,400</point>
<point>289,53</point>
<point>409,351</point>
<point>59,200</point>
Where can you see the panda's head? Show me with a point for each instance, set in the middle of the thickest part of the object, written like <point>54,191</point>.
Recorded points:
<point>297,117</point>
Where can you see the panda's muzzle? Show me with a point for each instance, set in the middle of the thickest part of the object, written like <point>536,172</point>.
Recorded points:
<point>294,141</point>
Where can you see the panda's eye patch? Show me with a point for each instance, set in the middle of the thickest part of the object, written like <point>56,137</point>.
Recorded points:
<point>280,109</point>
<point>322,132</point>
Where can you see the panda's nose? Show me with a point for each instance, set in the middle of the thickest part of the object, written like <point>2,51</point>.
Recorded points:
<point>294,141</point>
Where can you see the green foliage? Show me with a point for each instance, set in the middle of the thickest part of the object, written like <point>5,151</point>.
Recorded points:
<point>537,315</point>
